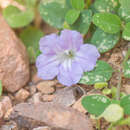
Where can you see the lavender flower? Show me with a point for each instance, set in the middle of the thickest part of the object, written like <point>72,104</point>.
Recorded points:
<point>66,57</point>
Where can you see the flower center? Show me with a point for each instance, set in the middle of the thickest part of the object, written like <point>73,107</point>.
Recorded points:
<point>66,55</point>
<point>69,54</point>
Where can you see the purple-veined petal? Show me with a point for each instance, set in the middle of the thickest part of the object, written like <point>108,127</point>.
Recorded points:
<point>47,66</point>
<point>70,75</point>
<point>87,57</point>
<point>71,39</point>
<point>50,44</point>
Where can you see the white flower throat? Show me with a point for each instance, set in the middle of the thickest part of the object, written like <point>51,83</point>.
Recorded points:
<point>66,58</point>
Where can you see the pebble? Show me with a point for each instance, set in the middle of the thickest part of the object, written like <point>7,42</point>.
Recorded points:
<point>32,89</point>
<point>37,98</point>
<point>5,105</point>
<point>22,95</point>
<point>78,106</point>
<point>46,87</point>
<point>42,128</point>
<point>47,98</point>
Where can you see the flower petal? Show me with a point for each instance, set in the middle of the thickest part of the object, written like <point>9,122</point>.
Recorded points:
<point>71,39</point>
<point>49,44</point>
<point>71,75</point>
<point>47,66</point>
<point>87,57</point>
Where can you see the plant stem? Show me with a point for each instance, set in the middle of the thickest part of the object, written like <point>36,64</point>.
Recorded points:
<point>98,124</point>
<point>120,74</point>
<point>119,85</point>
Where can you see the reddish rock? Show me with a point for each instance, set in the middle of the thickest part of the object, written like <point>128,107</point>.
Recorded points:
<point>22,95</point>
<point>42,128</point>
<point>5,105</point>
<point>14,65</point>
<point>78,106</point>
<point>46,87</point>
<point>54,115</point>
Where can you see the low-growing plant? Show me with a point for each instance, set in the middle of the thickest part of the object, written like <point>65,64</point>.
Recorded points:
<point>102,23</point>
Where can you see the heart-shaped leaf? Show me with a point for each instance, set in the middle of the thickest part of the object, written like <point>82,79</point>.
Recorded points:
<point>30,37</point>
<point>125,103</point>
<point>105,5</point>
<point>53,12</point>
<point>104,41</point>
<point>17,18</point>
<point>83,23</point>
<point>124,10</point>
<point>78,4</point>
<point>95,104</point>
<point>101,73</point>
<point>126,69</point>
<point>71,16</point>
<point>108,22</point>
<point>113,113</point>
<point>126,32</point>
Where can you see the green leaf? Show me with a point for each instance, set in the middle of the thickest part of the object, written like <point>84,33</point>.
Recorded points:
<point>125,121</point>
<point>125,103</point>
<point>104,41</point>
<point>95,104</point>
<point>17,18</point>
<point>53,12</point>
<point>108,22</point>
<point>126,69</point>
<point>78,4</point>
<point>106,91</point>
<point>126,32</point>
<point>0,88</point>
<point>105,5</point>
<point>101,73</point>
<point>124,10</point>
<point>71,16</point>
<point>31,3</point>
<point>113,113</point>
<point>30,37</point>
<point>83,23</point>
<point>100,85</point>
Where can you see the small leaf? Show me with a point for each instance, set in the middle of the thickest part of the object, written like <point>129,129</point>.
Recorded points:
<point>106,91</point>
<point>83,23</point>
<point>105,5</point>
<point>126,69</point>
<point>53,12</point>
<point>0,88</point>
<point>100,85</point>
<point>126,32</point>
<point>17,18</point>
<point>125,121</point>
<point>78,4</point>
<point>114,92</point>
<point>30,37</point>
<point>113,113</point>
<point>124,10</point>
<point>125,103</point>
<point>101,73</point>
<point>95,104</point>
<point>31,3</point>
<point>71,16</point>
<point>108,22</point>
<point>104,41</point>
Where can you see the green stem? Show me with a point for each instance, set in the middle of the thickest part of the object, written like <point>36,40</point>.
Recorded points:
<point>120,74</point>
<point>98,124</point>
<point>88,3</point>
